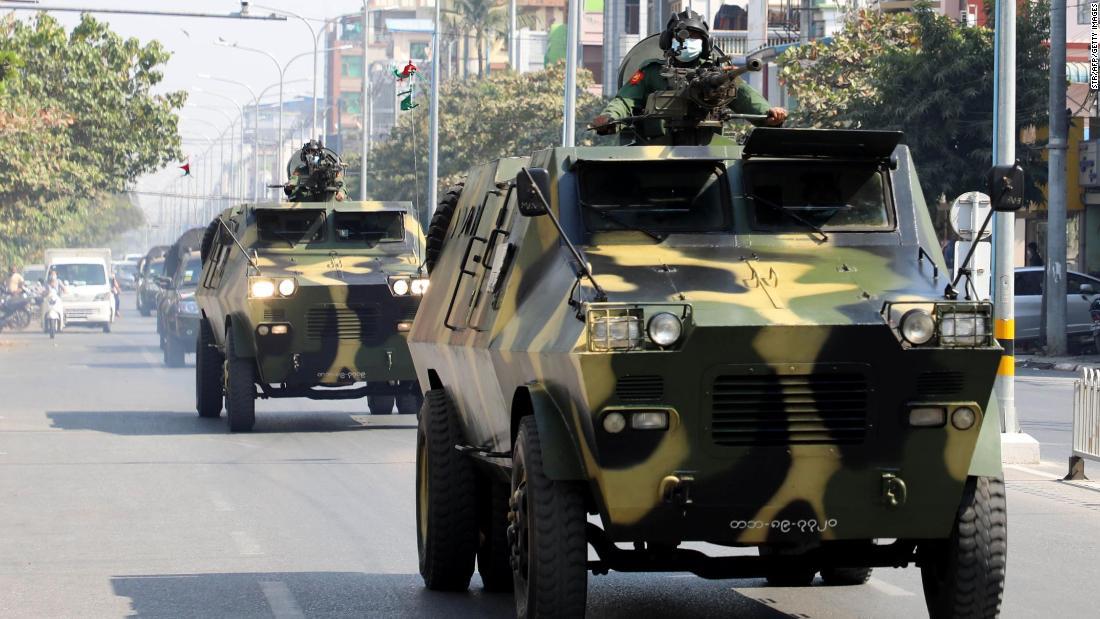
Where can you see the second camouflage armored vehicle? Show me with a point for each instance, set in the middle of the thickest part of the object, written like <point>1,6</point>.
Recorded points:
<point>751,346</point>
<point>309,298</point>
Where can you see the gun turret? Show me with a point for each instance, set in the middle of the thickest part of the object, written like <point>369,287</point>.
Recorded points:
<point>314,173</point>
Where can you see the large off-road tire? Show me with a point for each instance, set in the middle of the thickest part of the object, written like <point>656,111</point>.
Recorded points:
<point>546,535</point>
<point>380,404</point>
<point>441,222</point>
<point>446,498</point>
<point>240,388</point>
<point>173,351</point>
<point>209,390</point>
<point>845,576</point>
<point>797,573</point>
<point>964,575</point>
<point>493,551</point>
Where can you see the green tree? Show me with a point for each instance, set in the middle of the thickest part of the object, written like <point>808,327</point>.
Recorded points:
<point>79,121</point>
<point>484,17</point>
<point>930,77</point>
<point>506,114</point>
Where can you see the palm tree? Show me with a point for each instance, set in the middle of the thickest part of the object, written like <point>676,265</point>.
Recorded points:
<point>481,16</point>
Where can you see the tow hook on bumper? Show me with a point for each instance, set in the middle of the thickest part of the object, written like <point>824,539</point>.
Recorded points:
<point>675,489</point>
<point>894,492</point>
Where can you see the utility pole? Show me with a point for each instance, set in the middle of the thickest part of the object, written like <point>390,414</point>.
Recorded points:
<point>569,127</point>
<point>513,50</point>
<point>366,105</point>
<point>433,120</point>
<point>1016,447</point>
<point>1054,288</point>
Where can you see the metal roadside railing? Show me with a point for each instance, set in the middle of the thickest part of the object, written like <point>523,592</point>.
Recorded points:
<point>1086,422</point>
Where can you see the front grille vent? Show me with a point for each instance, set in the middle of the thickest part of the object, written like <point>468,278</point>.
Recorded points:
<point>640,388</point>
<point>343,323</point>
<point>826,409</point>
<point>940,383</point>
<point>274,315</point>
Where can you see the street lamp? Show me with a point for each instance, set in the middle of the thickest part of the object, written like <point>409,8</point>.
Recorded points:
<point>281,69</point>
<point>232,122</point>
<point>240,110</point>
<point>313,36</point>
<point>255,127</point>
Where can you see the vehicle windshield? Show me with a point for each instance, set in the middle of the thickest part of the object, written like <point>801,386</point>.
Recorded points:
<point>126,269</point>
<point>155,267</point>
<point>791,195</point>
<point>81,274</point>
<point>370,228</point>
<point>655,197</point>
<point>189,278</point>
<point>290,226</point>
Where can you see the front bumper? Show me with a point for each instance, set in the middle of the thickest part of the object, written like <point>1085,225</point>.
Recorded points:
<point>333,344</point>
<point>88,312</point>
<point>809,440</point>
<point>185,329</point>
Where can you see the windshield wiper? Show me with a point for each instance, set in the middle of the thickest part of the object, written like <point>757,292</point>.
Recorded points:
<point>623,224</point>
<point>781,209</point>
<point>283,236</point>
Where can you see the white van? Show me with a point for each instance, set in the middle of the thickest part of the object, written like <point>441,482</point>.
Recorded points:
<point>86,274</point>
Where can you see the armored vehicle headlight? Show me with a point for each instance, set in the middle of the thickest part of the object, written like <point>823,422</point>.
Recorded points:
<point>649,420</point>
<point>665,329</point>
<point>419,285</point>
<point>964,417</point>
<point>288,286</point>
<point>614,422</point>
<point>615,332</point>
<point>927,416</point>
<point>917,326</point>
<point>964,329</point>
<point>401,287</point>
<point>261,288</point>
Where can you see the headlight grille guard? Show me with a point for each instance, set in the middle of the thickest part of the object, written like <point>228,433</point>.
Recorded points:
<point>980,311</point>
<point>596,311</point>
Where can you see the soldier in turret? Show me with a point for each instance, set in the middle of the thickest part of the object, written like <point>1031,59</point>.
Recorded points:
<point>686,40</point>
<point>316,175</point>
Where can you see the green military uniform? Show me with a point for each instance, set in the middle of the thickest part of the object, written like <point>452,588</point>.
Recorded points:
<point>632,96</point>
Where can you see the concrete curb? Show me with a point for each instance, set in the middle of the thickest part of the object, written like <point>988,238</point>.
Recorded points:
<point>1061,366</point>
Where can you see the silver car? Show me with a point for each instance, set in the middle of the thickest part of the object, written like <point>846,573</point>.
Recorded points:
<point>1081,289</point>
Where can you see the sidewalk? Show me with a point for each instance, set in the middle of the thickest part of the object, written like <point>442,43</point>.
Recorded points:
<point>1069,363</point>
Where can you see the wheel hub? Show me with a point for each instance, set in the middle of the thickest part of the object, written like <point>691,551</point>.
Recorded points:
<point>517,529</point>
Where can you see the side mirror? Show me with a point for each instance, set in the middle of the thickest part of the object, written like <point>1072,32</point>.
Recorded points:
<point>1006,188</point>
<point>164,282</point>
<point>1087,289</point>
<point>530,182</point>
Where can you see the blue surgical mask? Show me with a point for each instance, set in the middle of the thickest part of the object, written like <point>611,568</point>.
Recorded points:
<point>688,50</point>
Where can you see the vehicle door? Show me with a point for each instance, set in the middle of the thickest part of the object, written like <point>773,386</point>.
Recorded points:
<point>1029,301</point>
<point>1080,291</point>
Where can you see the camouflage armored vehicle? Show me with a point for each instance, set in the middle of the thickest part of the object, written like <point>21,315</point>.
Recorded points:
<point>309,299</point>
<point>749,346</point>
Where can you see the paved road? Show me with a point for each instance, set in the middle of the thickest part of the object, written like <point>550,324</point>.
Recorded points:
<point>119,501</point>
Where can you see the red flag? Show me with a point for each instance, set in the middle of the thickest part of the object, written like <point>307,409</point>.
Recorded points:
<point>186,168</point>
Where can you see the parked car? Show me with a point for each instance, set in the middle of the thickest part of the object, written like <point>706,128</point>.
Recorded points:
<point>1081,290</point>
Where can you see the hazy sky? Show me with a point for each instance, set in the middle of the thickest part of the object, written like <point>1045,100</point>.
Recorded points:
<point>191,41</point>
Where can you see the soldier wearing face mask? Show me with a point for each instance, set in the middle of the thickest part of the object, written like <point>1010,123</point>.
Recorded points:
<point>693,50</point>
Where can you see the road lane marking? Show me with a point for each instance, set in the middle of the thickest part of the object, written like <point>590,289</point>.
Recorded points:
<point>247,545</point>
<point>280,600</point>
<point>888,589</point>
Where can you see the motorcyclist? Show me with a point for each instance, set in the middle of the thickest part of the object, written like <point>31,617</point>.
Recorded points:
<point>54,284</point>
<point>14,283</point>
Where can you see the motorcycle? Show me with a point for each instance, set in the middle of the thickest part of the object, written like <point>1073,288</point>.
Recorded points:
<point>15,312</point>
<point>53,314</point>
